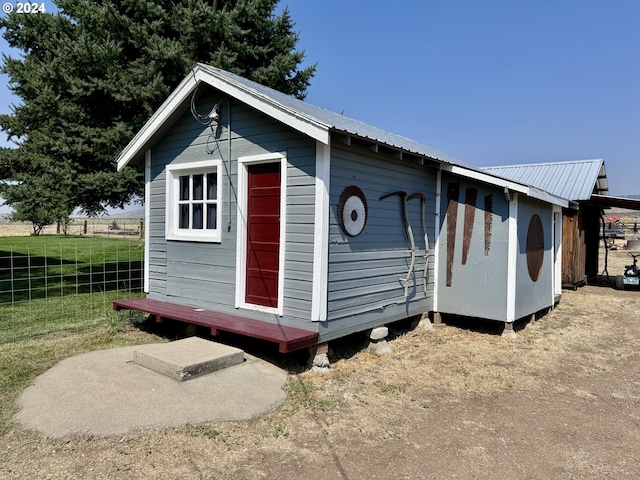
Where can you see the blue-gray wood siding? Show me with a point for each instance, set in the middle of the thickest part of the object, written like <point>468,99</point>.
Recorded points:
<point>478,288</point>
<point>203,274</point>
<point>532,296</point>
<point>364,271</point>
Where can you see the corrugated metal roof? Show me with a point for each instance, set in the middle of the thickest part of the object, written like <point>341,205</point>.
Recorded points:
<point>575,180</point>
<point>332,120</point>
<point>309,119</point>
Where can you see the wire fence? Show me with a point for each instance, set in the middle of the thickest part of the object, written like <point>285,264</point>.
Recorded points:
<point>55,284</point>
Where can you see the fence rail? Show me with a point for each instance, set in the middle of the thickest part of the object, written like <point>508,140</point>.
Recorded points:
<point>94,226</point>
<point>61,283</point>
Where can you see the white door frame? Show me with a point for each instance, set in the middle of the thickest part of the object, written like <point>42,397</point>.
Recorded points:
<point>557,252</point>
<point>241,239</point>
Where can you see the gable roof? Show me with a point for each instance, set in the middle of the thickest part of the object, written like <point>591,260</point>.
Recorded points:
<point>313,121</point>
<point>318,123</point>
<point>575,180</point>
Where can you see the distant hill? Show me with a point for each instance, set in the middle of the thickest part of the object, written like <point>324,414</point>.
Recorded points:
<point>131,211</point>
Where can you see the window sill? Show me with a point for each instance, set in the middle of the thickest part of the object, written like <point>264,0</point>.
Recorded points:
<point>194,238</point>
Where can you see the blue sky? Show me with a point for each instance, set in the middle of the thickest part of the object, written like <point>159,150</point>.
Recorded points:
<point>489,83</point>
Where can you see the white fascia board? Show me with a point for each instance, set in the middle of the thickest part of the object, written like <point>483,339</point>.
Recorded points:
<point>266,105</point>
<point>485,178</point>
<point>170,105</point>
<point>295,120</point>
<point>548,197</point>
<point>504,183</point>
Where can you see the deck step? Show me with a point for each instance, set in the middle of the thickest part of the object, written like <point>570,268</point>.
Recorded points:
<point>188,358</point>
<point>287,338</point>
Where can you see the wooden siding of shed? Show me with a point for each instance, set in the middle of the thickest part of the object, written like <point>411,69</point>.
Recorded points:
<point>203,274</point>
<point>479,287</point>
<point>580,247</point>
<point>364,271</point>
<point>574,249</point>
<point>591,224</point>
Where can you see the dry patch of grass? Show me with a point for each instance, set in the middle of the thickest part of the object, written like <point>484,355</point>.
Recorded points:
<point>331,420</point>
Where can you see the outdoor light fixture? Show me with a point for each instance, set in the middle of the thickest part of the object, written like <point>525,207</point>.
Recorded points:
<point>214,116</point>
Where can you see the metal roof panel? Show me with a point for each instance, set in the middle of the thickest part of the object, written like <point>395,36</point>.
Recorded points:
<point>332,120</point>
<point>574,180</point>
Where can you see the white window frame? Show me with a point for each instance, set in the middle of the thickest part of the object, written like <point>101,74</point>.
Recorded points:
<point>241,241</point>
<point>174,172</point>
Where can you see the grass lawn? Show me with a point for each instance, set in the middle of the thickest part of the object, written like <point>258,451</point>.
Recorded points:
<point>55,283</point>
<point>54,266</point>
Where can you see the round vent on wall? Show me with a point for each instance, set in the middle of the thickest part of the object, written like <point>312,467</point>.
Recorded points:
<point>352,211</point>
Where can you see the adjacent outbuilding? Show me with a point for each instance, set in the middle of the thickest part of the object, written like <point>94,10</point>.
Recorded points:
<point>274,218</point>
<point>585,185</point>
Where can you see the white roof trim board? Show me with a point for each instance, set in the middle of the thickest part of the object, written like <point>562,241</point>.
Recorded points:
<point>308,119</point>
<point>519,187</point>
<point>575,180</point>
<point>313,121</point>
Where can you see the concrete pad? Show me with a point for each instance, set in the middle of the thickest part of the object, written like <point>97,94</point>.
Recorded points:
<point>188,358</point>
<point>105,393</point>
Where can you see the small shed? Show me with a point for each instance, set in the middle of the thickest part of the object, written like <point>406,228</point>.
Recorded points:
<point>273,218</point>
<point>578,182</point>
<point>498,247</point>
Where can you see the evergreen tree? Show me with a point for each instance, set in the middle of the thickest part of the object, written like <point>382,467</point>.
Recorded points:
<point>92,74</point>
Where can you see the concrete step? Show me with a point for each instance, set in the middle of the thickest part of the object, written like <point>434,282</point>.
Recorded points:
<point>188,358</point>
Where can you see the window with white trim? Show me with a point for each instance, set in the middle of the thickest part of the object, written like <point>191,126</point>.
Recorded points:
<point>193,201</point>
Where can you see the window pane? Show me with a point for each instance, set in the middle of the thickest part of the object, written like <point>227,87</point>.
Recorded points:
<point>184,187</point>
<point>212,219</point>
<point>197,216</point>
<point>184,216</point>
<point>197,187</point>
<point>212,186</point>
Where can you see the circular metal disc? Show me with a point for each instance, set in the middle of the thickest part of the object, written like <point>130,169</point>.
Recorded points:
<point>352,211</point>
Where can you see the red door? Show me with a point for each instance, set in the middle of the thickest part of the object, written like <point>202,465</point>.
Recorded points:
<point>263,234</point>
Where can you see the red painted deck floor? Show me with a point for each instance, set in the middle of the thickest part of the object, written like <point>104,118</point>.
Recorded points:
<point>288,338</point>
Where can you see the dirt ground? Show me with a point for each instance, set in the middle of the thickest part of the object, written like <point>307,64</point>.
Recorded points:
<point>562,401</point>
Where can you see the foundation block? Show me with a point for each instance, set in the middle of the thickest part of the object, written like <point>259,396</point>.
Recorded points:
<point>320,361</point>
<point>509,332</point>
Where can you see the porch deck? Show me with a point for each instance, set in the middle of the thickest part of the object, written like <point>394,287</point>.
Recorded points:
<point>287,338</point>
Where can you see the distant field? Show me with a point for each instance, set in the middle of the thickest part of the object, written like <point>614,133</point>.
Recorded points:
<point>103,226</point>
